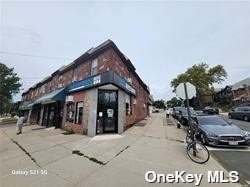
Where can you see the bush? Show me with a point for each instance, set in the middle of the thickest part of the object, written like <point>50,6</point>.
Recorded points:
<point>13,114</point>
<point>68,132</point>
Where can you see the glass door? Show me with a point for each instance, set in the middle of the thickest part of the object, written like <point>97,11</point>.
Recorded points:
<point>107,111</point>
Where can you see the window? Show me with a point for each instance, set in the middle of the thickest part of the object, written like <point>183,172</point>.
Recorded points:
<point>70,112</point>
<point>94,65</point>
<point>61,78</point>
<point>43,89</point>
<point>74,78</point>
<point>128,104</point>
<point>79,112</point>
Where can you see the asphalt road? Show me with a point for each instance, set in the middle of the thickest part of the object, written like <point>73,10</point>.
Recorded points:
<point>237,159</point>
<point>240,123</point>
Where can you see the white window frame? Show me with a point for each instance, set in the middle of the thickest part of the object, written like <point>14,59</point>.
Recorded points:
<point>78,106</point>
<point>128,100</point>
<point>94,66</point>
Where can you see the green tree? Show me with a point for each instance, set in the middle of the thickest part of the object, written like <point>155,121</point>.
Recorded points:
<point>9,85</point>
<point>202,76</point>
<point>174,102</point>
<point>159,104</point>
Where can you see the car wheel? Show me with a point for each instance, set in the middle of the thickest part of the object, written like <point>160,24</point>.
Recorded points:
<point>203,139</point>
<point>245,118</point>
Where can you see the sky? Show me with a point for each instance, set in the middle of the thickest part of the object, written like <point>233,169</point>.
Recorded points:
<point>161,38</point>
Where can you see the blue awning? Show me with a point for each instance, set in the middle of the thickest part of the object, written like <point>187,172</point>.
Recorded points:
<point>26,105</point>
<point>57,95</point>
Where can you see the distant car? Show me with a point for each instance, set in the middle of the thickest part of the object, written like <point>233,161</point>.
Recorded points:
<point>242,113</point>
<point>210,110</point>
<point>183,116</point>
<point>155,110</point>
<point>176,111</point>
<point>219,132</point>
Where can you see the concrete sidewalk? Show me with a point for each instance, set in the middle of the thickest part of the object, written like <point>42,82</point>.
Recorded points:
<point>108,160</point>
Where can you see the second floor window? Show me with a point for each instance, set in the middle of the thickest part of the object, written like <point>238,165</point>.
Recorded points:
<point>74,78</point>
<point>94,65</point>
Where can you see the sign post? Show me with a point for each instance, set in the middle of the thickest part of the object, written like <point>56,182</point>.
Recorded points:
<point>187,91</point>
<point>187,103</point>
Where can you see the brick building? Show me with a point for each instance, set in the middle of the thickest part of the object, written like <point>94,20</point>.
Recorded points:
<point>99,92</point>
<point>241,92</point>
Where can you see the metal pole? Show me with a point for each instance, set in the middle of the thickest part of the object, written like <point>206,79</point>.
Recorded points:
<point>188,110</point>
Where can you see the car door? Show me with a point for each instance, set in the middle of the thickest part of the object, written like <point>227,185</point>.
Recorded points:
<point>236,113</point>
<point>247,112</point>
<point>241,113</point>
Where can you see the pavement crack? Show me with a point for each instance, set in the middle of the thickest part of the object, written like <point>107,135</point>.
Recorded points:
<point>176,140</point>
<point>26,152</point>
<point>77,152</point>
<point>122,150</point>
<point>155,137</point>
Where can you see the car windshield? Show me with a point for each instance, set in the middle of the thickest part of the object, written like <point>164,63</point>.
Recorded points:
<point>184,112</point>
<point>212,120</point>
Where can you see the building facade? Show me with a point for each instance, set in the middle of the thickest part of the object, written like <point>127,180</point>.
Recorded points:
<point>241,92</point>
<point>99,92</point>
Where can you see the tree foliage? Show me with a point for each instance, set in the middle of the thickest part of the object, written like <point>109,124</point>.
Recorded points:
<point>9,85</point>
<point>174,102</point>
<point>159,104</point>
<point>202,76</point>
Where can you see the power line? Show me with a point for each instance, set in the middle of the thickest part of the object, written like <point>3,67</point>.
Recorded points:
<point>36,56</point>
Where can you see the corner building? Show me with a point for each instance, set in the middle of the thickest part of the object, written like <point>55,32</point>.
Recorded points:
<point>99,92</point>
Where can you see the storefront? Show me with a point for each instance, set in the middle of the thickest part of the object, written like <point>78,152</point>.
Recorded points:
<point>25,109</point>
<point>98,104</point>
<point>48,108</point>
<point>99,92</point>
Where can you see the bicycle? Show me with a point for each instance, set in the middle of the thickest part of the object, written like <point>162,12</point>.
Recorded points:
<point>196,151</point>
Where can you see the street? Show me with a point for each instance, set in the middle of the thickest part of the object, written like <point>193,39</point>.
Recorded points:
<point>235,158</point>
<point>240,123</point>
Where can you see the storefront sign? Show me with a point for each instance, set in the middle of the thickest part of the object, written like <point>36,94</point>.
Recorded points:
<point>125,85</point>
<point>109,77</point>
<point>85,83</point>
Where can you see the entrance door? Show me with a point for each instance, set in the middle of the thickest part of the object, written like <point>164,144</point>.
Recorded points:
<point>107,112</point>
<point>49,115</point>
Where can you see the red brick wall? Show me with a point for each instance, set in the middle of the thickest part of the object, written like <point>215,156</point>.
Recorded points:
<point>66,78</point>
<point>83,70</point>
<point>78,128</point>
<point>139,110</point>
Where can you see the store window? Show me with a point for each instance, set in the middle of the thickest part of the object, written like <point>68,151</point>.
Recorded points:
<point>79,112</point>
<point>128,104</point>
<point>94,65</point>
<point>70,112</point>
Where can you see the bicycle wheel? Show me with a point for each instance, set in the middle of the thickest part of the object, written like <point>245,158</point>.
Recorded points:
<point>197,152</point>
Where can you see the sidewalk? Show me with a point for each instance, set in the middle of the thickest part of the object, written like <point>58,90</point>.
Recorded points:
<point>108,160</point>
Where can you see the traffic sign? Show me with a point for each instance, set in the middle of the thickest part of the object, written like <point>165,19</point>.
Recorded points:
<point>191,90</point>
